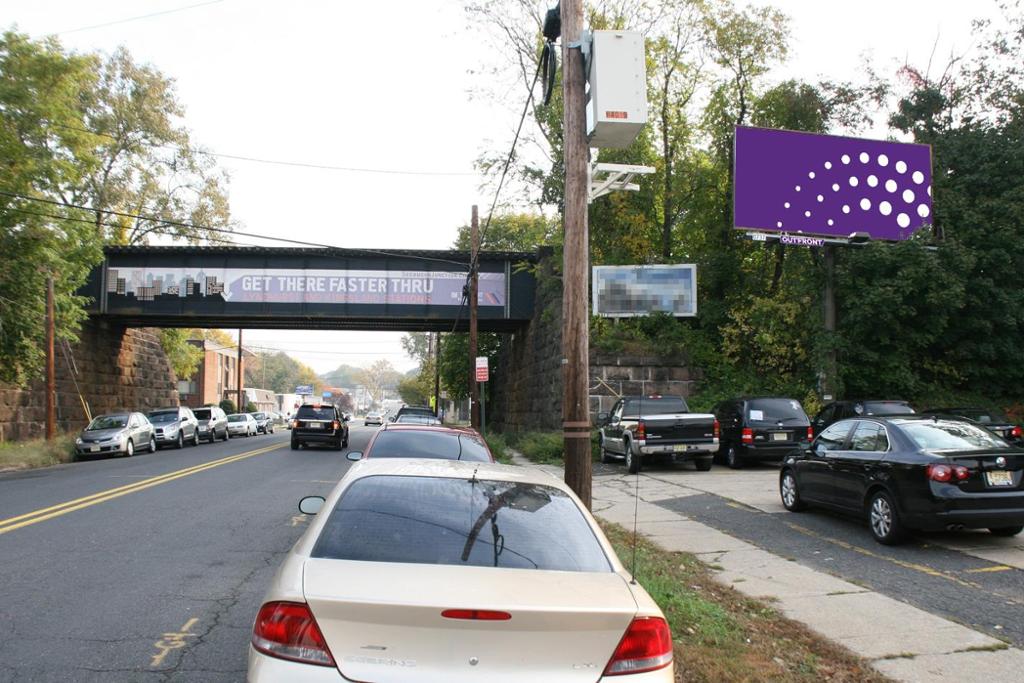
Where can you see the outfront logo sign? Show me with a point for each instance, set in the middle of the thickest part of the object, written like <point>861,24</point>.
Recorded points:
<point>802,183</point>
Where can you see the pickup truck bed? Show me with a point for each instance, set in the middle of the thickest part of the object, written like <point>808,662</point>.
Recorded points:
<point>639,433</point>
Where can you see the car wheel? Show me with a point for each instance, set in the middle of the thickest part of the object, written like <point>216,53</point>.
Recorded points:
<point>1006,530</point>
<point>181,441</point>
<point>152,444</point>
<point>632,460</point>
<point>338,446</point>
<point>271,430</point>
<point>790,492</point>
<point>732,458</point>
<point>195,437</point>
<point>884,520</point>
<point>129,449</point>
<point>703,464</point>
<point>295,445</point>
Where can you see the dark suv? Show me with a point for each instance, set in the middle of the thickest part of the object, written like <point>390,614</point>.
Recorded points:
<point>840,410</point>
<point>761,428</point>
<point>213,423</point>
<point>323,424</point>
<point>413,410</point>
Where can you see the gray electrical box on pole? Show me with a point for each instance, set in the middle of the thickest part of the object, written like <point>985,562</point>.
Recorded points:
<point>617,98</point>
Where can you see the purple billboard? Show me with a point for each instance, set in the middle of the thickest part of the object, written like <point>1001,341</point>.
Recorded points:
<point>796,183</point>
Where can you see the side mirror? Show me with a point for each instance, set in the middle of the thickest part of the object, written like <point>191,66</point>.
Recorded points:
<point>602,418</point>
<point>310,505</point>
<point>615,419</point>
<point>345,418</point>
<point>355,456</point>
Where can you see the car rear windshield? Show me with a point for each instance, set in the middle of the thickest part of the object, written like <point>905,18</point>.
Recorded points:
<point>885,408</point>
<point>479,523</point>
<point>414,443</point>
<point>776,410</point>
<point>416,419</point>
<point>415,411</point>
<point>203,414</point>
<point>947,435</point>
<point>259,416</point>
<point>666,405</point>
<point>236,418</point>
<point>107,422</point>
<point>987,417</point>
<point>314,413</point>
<point>165,416</point>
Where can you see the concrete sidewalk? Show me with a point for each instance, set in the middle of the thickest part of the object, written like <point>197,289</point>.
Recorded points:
<point>901,641</point>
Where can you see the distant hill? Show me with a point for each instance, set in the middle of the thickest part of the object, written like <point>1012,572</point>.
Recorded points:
<point>342,376</point>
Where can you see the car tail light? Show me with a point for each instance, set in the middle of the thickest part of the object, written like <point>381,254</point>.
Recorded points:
<point>335,424</point>
<point>718,429</point>
<point>1016,432</point>
<point>810,433</point>
<point>287,630</point>
<point>646,646</point>
<point>295,424</point>
<point>940,472</point>
<point>961,473</point>
<point>641,430</point>
<point>747,435</point>
<point>478,614</point>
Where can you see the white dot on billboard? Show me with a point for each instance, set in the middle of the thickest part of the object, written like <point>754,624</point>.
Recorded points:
<point>828,165</point>
<point>864,157</point>
<point>831,222</point>
<point>779,224</point>
<point>923,211</point>
<point>853,181</point>
<point>820,198</point>
<point>865,203</point>
<point>797,188</point>
<point>807,213</point>
<point>890,185</point>
<point>929,190</point>
<point>883,160</point>
<point>908,196</point>
<point>903,220</point>
<point>885,208</point>
<point>846,208</point>
<point>811,175</point>
<point>901,167</point>
<point>846,158</point>
<point>786,205</point>
<point>872,181</point>
<point>835,187</point>
<point>918,177</point>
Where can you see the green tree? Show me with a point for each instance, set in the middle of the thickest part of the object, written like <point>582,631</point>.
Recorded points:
<point>183,357</point>
<point>228,406</point>
<point>282,372</point>
<point>378,379</point>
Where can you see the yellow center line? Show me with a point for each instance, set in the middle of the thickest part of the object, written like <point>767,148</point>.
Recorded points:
<point>996,568</point>
<point>12,523</point>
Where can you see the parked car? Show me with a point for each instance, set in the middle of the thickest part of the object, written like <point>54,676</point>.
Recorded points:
<point>992,420</point>
<point>175,426</point>
<point>761,428</point>
<point>264,423</point>
<point>277,420</point>
<point>373,418</point>
<point>242,424</point>
<point>841,410</point>
<point>121,433</point>
<point>903,473</point>
<point>416,419</point>
<point>451,564</point>
<point>213,423</point>
<point>662,427</point>
<point>426,441</point>
<point>413,410</point>
<point>319,424</point>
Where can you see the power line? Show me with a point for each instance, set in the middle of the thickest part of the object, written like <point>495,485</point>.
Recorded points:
<point>137,18</point>
<point>193,226</point>
<point>279,162</point>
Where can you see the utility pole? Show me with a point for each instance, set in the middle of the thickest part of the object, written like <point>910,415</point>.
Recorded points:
<point>828,385</point>
<point>51,375</point>
<point>575,321</point>
<point>474,389</point>
<point>238,383</point>
<point>437,373</point>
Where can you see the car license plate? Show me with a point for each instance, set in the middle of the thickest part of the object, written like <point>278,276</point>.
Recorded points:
<point>999,478</point>
<point>315,425</point>
<point>780,436</point>
<point>94,449</point>
<point>679,448</point>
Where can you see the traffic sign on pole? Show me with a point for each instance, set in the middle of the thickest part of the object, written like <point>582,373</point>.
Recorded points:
<point>482,373</point>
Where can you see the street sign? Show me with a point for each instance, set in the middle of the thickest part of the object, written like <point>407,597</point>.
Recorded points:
<point>481,369</point>
<point>326,394</point>
<point>304,390</point>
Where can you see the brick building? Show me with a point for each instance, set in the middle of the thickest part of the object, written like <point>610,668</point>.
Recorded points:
<point>216,378</point>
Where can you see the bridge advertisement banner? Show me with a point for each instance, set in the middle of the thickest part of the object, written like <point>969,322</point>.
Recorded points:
<point>272,285</point>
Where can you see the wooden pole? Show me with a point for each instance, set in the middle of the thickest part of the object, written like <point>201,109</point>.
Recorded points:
<point>828,385</point>
<point>575,321</point>
<point>51,374</point>
<point>238,383</point>
<point>474,391</point>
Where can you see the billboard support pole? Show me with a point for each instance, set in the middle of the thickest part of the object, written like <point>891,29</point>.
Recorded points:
<point>829,302</point>
<point>238,384</point>
<point>474,392</point>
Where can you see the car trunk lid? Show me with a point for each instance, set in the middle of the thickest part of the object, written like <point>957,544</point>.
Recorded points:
<point>989,470</point>
<point>383,621</point>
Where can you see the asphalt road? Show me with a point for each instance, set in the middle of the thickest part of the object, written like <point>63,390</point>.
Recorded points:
<point>150,568</point>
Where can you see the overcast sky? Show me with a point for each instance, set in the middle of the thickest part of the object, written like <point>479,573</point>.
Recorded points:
<point>375,85</point>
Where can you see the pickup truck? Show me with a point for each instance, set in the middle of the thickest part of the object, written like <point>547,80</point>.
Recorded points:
<point>657,427</point>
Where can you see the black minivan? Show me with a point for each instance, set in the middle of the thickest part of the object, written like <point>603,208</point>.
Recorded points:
<point>760,428</point>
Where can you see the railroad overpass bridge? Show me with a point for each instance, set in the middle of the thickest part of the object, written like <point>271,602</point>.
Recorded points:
<point>288,288</point>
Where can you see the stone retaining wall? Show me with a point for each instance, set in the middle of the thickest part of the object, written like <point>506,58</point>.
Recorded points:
<point>117,368</point>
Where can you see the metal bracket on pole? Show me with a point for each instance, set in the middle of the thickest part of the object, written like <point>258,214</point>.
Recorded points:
<point>608,178</point>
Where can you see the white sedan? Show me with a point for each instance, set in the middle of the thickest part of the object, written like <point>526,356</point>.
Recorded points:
<point>242,424</point>
<point>451,571</point>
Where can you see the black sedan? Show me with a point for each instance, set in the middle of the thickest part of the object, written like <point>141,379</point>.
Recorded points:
<point>920,472</point>
<point>992,420</point>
